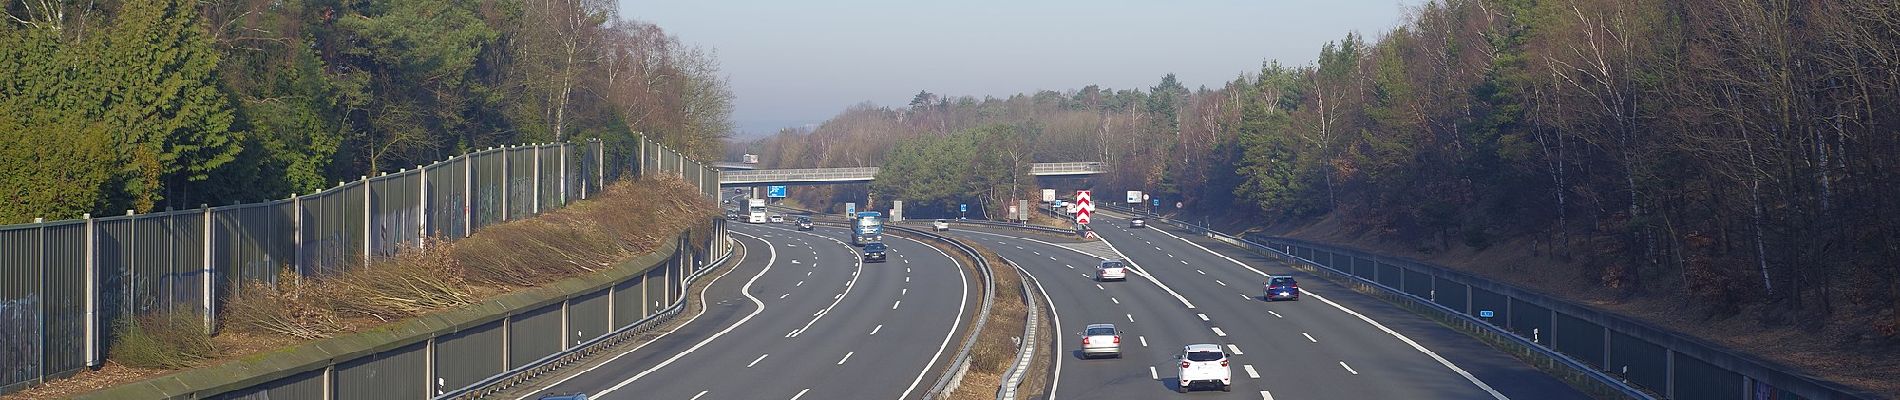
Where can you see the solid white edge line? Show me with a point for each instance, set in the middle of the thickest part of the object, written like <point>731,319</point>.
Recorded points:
<point>745,290</point>
<point>1056,322</point>
<point>1415,346</point>
<point>702,311</point>
<point>1111,247</point>
<point>955,325</point>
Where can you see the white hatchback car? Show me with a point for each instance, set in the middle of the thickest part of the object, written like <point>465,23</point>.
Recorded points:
<point>940,225</point>
<point>1204,364</point>
<point>1111,270</point>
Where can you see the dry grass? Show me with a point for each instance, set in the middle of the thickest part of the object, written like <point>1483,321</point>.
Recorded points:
<point>164,340</point>
<point>627,219</point>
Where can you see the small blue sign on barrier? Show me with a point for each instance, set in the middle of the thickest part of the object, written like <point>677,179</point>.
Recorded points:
<point>963,208</point>
<point>1485,314</point>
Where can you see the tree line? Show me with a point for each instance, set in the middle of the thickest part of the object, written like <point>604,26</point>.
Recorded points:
<point>110,105</point>
<point>1728,152</point>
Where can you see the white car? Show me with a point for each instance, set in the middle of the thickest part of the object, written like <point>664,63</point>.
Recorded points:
<point>1137,223</point>
<point>1101,339</point>
<point>778,218</point>
<point>1111,270</point>
<point>940,225</point>
<point>1204,364</point>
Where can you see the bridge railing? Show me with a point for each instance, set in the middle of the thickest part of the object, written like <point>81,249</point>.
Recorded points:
<point>1067,168</point>
<point>799,174</point>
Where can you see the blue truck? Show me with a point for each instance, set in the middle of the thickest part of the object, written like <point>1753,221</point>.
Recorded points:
<point>867,227</point>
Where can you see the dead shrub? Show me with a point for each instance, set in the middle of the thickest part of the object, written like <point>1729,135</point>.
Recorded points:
<point>165,340</point>
<point>295,308</point>
<point>408,284</point>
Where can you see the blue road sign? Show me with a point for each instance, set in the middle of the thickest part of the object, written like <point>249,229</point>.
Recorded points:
<point>850,209</point>
<point>1156,202</point>
<point>1484,314</point>
<point>963,208</point>
<point>775,191</point>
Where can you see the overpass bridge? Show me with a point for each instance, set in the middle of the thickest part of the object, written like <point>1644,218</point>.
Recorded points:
<point>823,176</point>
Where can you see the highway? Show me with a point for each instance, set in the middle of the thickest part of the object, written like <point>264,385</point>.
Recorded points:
<point>1332,344</point>
<point>801,318</point>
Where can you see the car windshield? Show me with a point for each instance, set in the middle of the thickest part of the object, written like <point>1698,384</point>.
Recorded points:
<point>874,247</point>
<point>1101,331</point>
<point>1280,282</point>
<point>1204,356</point>
<point>1112,264</point>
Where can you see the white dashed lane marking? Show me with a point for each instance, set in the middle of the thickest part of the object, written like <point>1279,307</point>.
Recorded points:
<point>1348,368</point>
<point>755,361</point>
<point>1217,331</point>
<point>1309,338</point>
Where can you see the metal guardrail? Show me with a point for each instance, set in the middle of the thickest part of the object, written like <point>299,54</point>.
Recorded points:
<point>1026,353</point>
<point>1016,225</point>
<point>554,362</point>
<point>982,317</point>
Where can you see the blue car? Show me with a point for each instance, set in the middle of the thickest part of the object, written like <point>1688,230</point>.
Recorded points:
<point>1280,287</point>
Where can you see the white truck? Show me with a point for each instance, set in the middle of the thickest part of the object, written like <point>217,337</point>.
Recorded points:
<point>755,211</point>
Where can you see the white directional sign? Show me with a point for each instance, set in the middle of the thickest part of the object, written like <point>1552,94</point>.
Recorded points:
<point>1134,196</point>
<point>1083,207</point>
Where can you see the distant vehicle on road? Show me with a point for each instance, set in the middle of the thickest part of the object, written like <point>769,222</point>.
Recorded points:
<point>940,225</point>
<point>867,227</point>
<point>1280,287</point>
<point>1204,364</point>
<point>804,223</point>
<point>1101,339</point>
<point>1111,270</point>
<point>755,211</point>
<point>1137,223</point>
<point>874,252</point>
<point>778,218</point>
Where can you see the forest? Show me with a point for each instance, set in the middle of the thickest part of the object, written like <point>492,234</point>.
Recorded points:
<point>112,105</point>
<point>1736,155</point>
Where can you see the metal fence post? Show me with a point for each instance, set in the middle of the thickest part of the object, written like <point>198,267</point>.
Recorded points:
<point>40,262</point>
<point>504,183</point>
<point>468,195</point>
<point>534,205</point>
<point>296,238</point>
<point>422,205</point>
<point>563,169</point>
<point>92,292</point>
<point>368,212</point>
<point>210,306</point>
<point>600,164</point>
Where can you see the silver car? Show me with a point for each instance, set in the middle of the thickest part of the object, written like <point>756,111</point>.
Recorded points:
<point>1101,339</point>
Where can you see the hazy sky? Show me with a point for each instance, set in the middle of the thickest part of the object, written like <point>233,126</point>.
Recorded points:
<point>793,63</point>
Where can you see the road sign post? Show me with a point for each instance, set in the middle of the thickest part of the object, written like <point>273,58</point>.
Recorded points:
<point>963,211</point>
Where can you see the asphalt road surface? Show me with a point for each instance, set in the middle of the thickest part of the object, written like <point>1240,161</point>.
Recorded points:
<point>801,318</point>
<point>1332,344</point>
